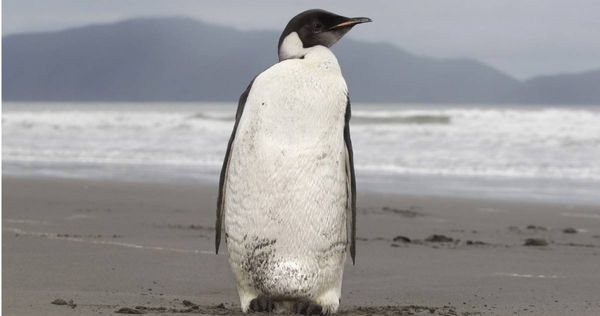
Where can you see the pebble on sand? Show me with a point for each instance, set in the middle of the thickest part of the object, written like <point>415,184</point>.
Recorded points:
<point>439,238</point>
<point>60,301</point>
<point>402,239</point>
<point>129,310</point>
<point>535,242</point>
<point>475,243</point>
<point>536,227</point>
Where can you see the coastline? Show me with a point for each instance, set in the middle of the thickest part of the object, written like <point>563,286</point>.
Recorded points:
<point>108,245</point>
<point>539,153</point>
<point>516,189</point>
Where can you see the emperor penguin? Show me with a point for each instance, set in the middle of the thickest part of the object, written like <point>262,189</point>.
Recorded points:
<point>287,190</point>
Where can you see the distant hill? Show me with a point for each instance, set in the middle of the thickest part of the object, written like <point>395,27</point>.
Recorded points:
<point>583,88</point>
<point>181,59</point>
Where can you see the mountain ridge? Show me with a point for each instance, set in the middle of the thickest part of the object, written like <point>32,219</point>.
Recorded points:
<point>183,59</point>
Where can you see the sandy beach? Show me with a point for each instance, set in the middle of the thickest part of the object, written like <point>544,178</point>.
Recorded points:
<point>133,247</point>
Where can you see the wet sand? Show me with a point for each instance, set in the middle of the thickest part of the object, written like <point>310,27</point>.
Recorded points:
<point>84,247</point>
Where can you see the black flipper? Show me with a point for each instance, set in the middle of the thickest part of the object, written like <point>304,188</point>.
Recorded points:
<point>352,181</point>
<point>224,169</point>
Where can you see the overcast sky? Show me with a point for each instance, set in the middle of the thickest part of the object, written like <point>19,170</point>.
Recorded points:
<point>521,37</point>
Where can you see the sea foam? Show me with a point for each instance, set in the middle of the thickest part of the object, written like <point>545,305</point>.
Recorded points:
<point>449,141</point>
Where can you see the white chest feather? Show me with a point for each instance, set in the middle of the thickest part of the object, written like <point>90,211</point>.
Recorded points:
<point>295,105</point>
<point>286,183</point>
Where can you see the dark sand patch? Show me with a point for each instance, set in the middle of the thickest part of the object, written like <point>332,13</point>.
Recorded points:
<point>572,244</point>
<point>405,311</point>
<point>128,310</point>
<point>529,230</point>
<point>476,243</point>
<point>539,242</point>
<point>457,230</point>
<point>401,238</point>
<point>433,241</point>
<point>218,309</point>
<point>185,227</point>
<point>60,301</point>
<point>439,238</point>
<point>570,230</point>
<point>410,212</point>
<point>93,236</point>
<point>221,309</point>
<point>536,228</point>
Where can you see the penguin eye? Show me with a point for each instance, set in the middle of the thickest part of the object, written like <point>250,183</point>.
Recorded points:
<point>317,27</point>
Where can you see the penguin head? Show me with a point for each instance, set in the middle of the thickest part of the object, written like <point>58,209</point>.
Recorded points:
<point>311,28</point>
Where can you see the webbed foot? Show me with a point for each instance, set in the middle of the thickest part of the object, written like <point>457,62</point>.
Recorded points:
<point>262,303</point>
<point>305,307</point>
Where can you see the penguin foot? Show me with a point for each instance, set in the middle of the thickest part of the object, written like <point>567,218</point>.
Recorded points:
<point>305,307</point>
<point>262,303</point>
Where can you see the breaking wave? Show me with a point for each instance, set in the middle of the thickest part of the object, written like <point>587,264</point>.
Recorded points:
<point>555,143</point>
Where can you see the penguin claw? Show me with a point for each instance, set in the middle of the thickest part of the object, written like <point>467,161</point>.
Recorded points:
<point>262,303</point>
<point>307,308</point>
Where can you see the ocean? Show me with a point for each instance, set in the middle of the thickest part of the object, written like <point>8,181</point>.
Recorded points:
<point>529,153</point>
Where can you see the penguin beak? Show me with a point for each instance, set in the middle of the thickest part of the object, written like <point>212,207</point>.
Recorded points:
<point>350,23</point>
